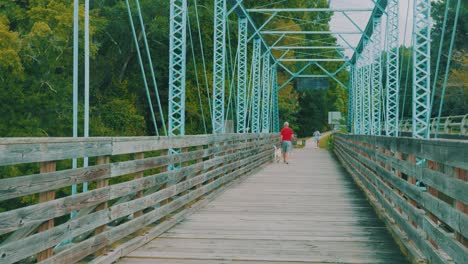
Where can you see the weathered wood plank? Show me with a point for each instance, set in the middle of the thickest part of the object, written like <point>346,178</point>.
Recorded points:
<point>456,252</point>
<point>450,152</point>
<point>12,220</point>
<point>94,220</point>
<point>89,246</point>
<point>449,185</point>
<point>455,219</point>
<point>45,149</point>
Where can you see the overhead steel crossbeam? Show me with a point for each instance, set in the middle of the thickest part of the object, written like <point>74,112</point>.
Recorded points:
<point>242,76</point>
<point>309,47</point>
<point>377,12</point>
<point>421,70</point>
<point>219,63</point>
<point>241,11</point>
<point>290,10</point>
<point>297,32</point>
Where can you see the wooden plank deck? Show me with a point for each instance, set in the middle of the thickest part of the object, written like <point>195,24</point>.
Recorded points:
<point>309,211</point>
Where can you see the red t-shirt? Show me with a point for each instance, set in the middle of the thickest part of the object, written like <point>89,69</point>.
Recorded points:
<point>286,134</point>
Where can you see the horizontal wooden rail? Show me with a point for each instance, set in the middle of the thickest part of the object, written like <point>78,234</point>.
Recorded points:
<point>131,189</point>
<point>431,222</point>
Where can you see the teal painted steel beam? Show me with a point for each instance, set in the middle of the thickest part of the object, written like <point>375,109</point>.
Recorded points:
<point>359,92</point>
<point>241,11</point>
<point>376,95</point>
<point>309,47</point>
<point>274,99</point>
<point>331,75</point>
<point>242,76</point>
<point>266,93</point>
<point>421,68</point>
<point>377,12</point>
<point>177,66</point>
<point>294,75</point>
<point>270,10</point>
<point>274,82</point>
<point>219,64</point>
<point>393,84</point>
<point>256,86</point>
<point>350,119</point>
<point>289,32</point>
<point>366,90</point>
<point>314,60</point>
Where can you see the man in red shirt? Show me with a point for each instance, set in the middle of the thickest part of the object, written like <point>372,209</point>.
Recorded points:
<point>287,135</point>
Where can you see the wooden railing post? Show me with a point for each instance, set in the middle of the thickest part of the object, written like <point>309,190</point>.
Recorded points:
<point>462,175</point>
<point>46,167</point>
<point>138,175</point>
<point>102,206</point>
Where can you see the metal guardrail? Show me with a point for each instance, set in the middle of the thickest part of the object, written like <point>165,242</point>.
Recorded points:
<point>453,125</point>
<point>132,192</point>
<point>431,226</point>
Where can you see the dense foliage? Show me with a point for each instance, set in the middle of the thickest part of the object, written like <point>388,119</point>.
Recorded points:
<point>36,67</point>
<point>36,56</point>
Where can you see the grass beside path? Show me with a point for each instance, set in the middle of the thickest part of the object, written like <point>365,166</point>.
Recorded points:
<point>324,141</point>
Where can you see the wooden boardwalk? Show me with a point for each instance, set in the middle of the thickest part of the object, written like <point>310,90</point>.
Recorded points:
<point>309,211</point>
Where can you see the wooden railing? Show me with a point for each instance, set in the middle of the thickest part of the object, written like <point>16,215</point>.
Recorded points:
<point>430,223</point>
<point>132,198</point>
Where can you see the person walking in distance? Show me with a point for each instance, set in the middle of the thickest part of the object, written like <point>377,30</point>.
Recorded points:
<point>287,135</point>
<point>317,138</point>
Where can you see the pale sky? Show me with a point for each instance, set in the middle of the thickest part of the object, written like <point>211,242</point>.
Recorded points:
<point>341,23</point>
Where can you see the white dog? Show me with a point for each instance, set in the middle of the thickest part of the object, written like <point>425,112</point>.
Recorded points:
<point>278,153</point>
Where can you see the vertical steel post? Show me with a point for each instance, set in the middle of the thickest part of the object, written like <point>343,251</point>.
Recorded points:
<point>421,69</point>
<point>275,91</point>
<point>366,90</point>
<point>351,101</point>
<point>177,64</point>
<point>274,98</point>
<point>358,96</point>
<point>76,4</point>
<point>376,94</point>
<point>392,85</point>
<point>242,76</point>
<point>219,64</point>
<point>86,82</point>
<point>266,92</point>
<point>256,86</point>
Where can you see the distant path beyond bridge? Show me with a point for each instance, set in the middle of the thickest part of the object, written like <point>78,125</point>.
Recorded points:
<point>309,211</point>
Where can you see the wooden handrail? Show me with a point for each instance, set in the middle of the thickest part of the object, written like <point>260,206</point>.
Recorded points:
<point>392,172</point>
<point>130,188</point>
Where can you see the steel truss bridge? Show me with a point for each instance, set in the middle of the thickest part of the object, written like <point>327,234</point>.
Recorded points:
<point>220,198</point>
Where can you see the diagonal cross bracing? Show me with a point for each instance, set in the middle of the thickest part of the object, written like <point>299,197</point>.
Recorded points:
<point>421,69</point>
<point>256,86</point>
<point>219,63</point>
<point>266,92</point>
<point>351,90</point>
<point>376,94</point>
<point>392,85</point>
<point>177,60</point>
<point>242,76</point>
<point>274,92</point>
